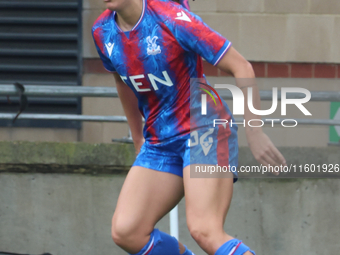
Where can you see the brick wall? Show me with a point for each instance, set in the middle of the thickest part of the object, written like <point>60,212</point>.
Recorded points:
<point>304,35</point>
<point>262,30</point>
<point>276,30</point>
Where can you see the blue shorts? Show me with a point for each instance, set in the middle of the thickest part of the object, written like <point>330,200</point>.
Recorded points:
<point>207,145</point>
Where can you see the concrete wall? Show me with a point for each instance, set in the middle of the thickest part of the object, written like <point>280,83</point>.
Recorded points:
<point>60,197</point>
<point>71,214</point>
<point>38,134</point>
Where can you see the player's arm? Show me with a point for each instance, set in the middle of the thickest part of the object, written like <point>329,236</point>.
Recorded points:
<point>261,146</point>
<point>130,105</point>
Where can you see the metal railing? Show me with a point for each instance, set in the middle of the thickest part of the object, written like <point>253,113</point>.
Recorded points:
<point>65,91</point>
<point>73,91</point>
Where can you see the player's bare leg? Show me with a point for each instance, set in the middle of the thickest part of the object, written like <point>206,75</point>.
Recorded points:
<point>146,196</point>
<point>207,204</point>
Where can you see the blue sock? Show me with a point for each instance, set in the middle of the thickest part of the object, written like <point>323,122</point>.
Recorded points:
<point>187,251</point>
<point>161,243</point>
<point>233,247</point>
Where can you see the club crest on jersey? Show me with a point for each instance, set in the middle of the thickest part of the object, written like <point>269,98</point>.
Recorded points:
<point>153,48</point>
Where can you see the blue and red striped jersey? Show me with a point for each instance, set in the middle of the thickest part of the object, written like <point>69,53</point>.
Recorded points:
<point>157,59</point>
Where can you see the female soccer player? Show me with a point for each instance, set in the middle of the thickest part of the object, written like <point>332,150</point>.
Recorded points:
<point>153,48</point>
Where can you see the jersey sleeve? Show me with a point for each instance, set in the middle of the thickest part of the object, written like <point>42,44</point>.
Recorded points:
<point>194,35</point>
<point>100,49</point>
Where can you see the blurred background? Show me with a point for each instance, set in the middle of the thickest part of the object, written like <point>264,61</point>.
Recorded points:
<point>59,196</point>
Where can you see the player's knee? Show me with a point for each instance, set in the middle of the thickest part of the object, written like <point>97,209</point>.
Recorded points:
<point>122,232</point>
<point>200,232</point>
<point>199,235</point>
<point>127,234</point>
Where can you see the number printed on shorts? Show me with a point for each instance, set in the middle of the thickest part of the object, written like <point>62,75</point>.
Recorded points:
<point>206,141</point>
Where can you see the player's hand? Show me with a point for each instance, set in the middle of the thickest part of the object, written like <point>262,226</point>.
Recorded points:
<point>264,150</point>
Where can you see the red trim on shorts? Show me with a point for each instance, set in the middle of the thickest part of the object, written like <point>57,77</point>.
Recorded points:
<point>223,135</point>
<point>149,249</point>
<point>236,248</point>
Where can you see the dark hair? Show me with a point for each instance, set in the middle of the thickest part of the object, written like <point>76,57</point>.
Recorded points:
<point>177,1</point>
